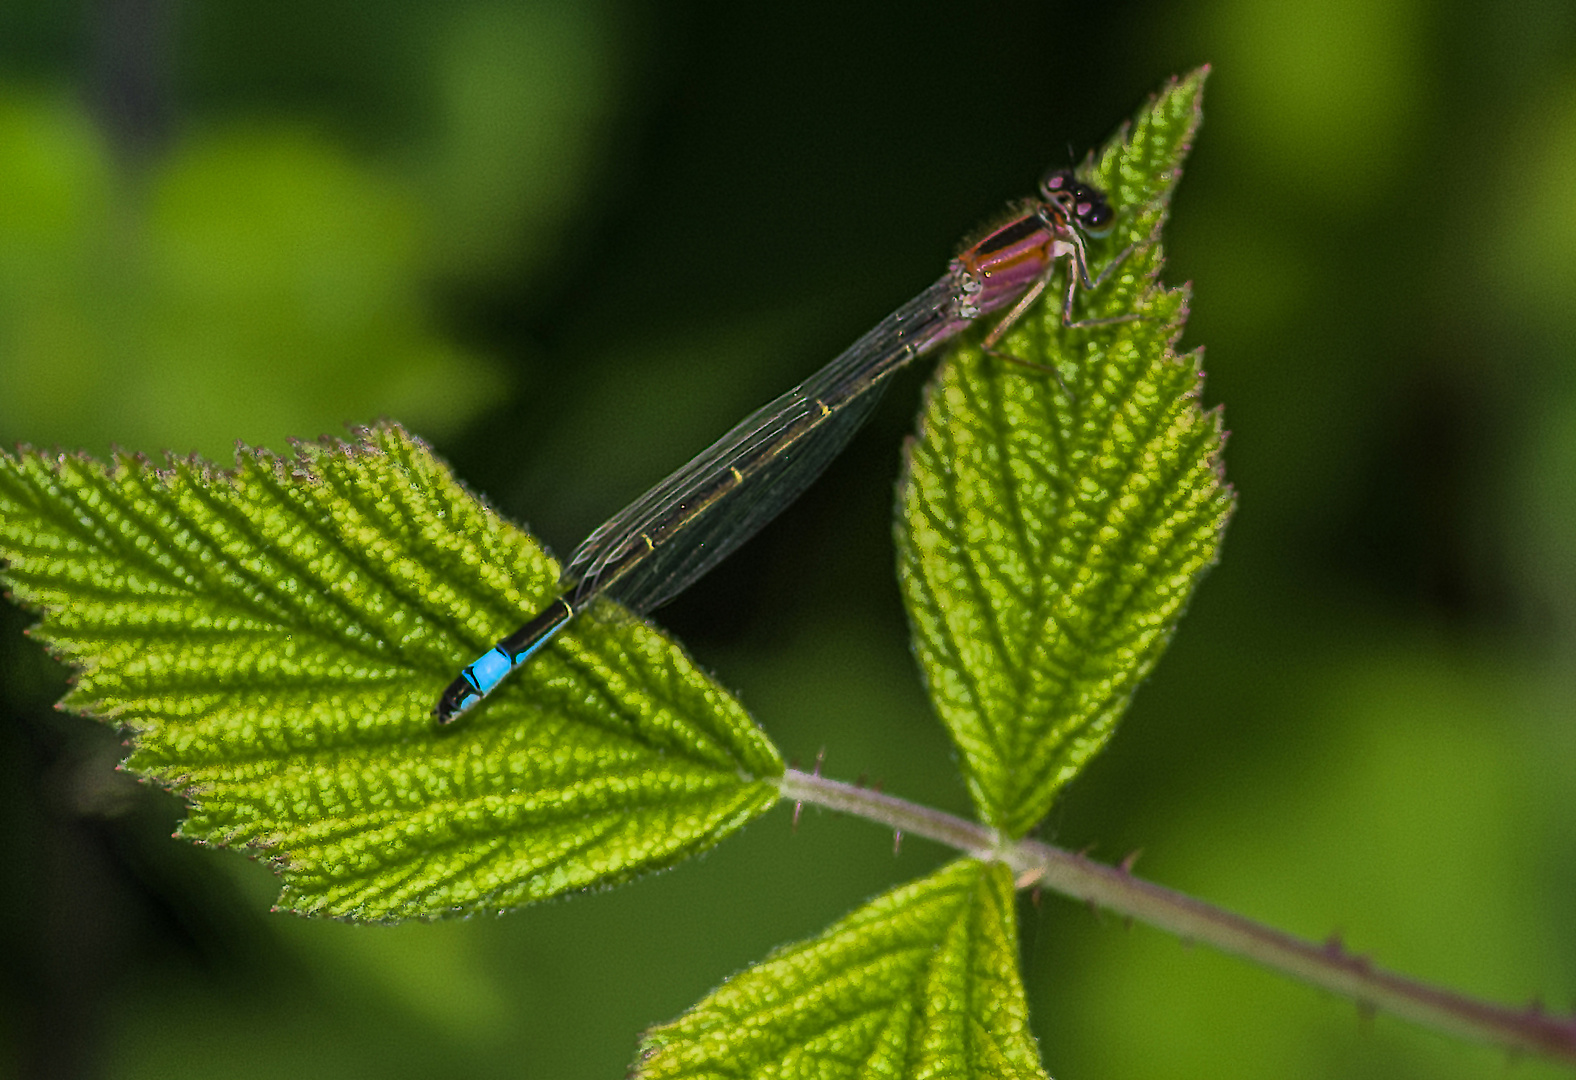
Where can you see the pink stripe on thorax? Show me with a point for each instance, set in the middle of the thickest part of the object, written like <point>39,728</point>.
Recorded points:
<point>1010,260</point>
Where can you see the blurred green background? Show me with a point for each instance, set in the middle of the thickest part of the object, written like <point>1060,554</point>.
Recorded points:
<point>571,243</point>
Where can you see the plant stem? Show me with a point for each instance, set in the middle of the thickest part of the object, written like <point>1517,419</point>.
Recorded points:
<point>1328,966</point>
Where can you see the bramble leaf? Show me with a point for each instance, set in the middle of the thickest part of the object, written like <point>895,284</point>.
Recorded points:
<point>274,639</point>
<point>920,982</point>
<point>1050,540</point>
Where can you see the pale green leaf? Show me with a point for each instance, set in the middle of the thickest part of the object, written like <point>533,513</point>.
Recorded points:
<point>1050,540</point>
<point>920,982</point>
<point>274,639</point>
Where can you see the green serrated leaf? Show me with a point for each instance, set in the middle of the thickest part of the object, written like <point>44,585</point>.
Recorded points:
<point>1049,542</point>
<point>274,639</point>
<point>920,982</point>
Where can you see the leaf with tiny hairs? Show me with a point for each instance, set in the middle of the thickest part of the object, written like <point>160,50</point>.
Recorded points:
<point>274,637</point>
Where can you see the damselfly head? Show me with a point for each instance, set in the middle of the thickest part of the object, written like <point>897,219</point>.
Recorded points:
<point>1084,203</point>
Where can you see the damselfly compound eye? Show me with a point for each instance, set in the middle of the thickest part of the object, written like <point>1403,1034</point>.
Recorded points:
<point>1094,214</point>
<point>1058,181</point>
<point>1085,203</point>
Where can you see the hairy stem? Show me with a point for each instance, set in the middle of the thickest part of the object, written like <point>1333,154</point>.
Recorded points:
<point>1328,966</point>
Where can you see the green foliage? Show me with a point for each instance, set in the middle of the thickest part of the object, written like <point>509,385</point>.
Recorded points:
<point>1401,386</point>
<point>525,99</point>
<point>922,981</point>
<point>1048,541</point>
<point>255,281</point>
<point>274,639</point>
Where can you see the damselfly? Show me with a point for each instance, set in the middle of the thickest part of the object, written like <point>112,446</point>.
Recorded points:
<point>674,533</point>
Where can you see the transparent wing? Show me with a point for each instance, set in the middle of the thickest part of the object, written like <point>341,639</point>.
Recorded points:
<point>680,556</point>
<point>673,534</point>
